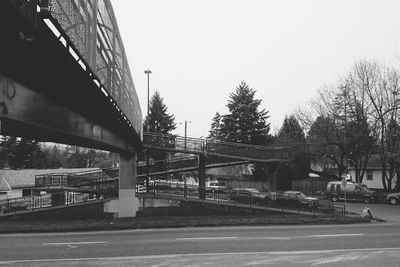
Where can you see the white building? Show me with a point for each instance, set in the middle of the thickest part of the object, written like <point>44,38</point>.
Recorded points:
<point>373,177</point>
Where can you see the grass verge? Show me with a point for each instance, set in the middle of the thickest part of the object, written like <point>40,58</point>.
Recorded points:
<point>144,221</point>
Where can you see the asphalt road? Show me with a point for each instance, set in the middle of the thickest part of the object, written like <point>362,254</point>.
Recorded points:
<point>329,245</point>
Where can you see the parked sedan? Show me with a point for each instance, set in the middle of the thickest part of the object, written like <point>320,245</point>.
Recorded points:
<point>248,195</point>
<point>297,198</point>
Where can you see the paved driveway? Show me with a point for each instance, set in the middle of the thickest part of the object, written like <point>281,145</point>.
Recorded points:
<point>389,213</point>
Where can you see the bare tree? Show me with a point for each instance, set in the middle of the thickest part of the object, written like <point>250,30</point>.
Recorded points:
<point>382,85</point>
<point>338,126</point>
<point>324,123</point>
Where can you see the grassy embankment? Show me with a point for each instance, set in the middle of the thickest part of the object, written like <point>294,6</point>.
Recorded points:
<point>171,218</point>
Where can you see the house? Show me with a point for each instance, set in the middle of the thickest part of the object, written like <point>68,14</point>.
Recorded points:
<point>373,177</point>
<point>373,174</point>
<point>4,186</point>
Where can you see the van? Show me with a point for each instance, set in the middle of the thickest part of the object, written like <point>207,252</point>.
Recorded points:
<point>335,191</point>
<point>216,186</point>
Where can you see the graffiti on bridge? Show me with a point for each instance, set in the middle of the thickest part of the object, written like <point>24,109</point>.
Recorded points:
<point>8,92</point>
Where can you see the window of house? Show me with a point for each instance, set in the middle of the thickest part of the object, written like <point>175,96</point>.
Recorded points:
<point>370,176</point>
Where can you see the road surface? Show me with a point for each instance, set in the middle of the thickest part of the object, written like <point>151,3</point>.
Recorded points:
<point>328,245</point>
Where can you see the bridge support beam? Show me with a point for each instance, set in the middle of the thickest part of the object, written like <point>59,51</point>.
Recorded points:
<point>202,177</point>
<point>127,203</point>
<point>272,172</point>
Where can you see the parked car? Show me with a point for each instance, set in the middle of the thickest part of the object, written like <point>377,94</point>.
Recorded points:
<point>248,195</point>
<point>335,190</point>
<point>296,198</point>
<point>393,198</point>
<point>216,186</point>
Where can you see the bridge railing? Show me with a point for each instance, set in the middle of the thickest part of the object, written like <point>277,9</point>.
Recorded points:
<point>92,28</point>
<point>173,142</point>
<point>214,147</point>
<point>76,179</point>
<point>29,204</point>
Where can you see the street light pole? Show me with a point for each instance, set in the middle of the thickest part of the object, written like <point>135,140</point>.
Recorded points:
<point>186,122</point>
<point>148,72</point>
<point>185,132</point>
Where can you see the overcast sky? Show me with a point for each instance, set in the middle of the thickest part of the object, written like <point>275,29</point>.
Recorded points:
<point>199,51</point>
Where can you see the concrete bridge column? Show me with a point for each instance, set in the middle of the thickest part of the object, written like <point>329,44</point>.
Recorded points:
<point>127,203</point>
<point>202,177</point>
<point>273,170</point>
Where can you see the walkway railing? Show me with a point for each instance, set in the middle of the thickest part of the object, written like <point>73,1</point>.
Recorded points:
<point>22,205</point>
<point>211,147</point>
<point>174,190</point>
<point>76,179</point>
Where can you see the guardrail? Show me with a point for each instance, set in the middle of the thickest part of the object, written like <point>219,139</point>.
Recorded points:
<point>35,203</point>
<point>76,179</point>
<point>179,190</point>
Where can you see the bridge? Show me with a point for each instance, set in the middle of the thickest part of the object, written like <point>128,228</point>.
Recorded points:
<point>207,149</point>
<point>64,78</point>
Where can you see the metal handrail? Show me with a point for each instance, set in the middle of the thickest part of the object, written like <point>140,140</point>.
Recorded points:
<point>103,54</point>
<point>216,147</point>
<point>73,179</point>
<point>37,203</point>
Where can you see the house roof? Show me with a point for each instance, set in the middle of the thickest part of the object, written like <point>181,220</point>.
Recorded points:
<point>374,163</point>
<point>26,177</point>
<point>4,186</point>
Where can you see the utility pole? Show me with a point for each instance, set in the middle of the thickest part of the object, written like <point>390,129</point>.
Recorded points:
<point>148,72</point>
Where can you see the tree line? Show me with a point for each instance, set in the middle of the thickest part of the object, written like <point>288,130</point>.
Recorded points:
<point>26,153</point>
<point>357,119</point>
<point>351,122</point>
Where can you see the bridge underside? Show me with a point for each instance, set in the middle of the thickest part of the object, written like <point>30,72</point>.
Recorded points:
<point>40,85</point>
<point>48,92</point>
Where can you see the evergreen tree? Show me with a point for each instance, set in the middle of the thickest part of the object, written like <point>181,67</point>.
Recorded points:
<point>291,133</point>
<point>159,121</point>
<point>245,123</point>
<point>7,148</point>
<point>216,123</point>
<point>24,152</point>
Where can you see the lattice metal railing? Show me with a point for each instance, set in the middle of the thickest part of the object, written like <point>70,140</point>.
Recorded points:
<point>211,147</point>
<point>76,179</point>
<point>92,28</point>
